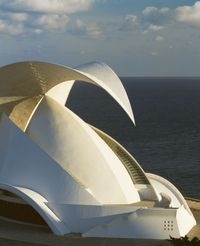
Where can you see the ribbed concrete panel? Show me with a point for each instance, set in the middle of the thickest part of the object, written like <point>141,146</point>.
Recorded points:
<point>136,173</point>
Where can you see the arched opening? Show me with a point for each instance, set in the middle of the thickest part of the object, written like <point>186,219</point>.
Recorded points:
<point>14,208</point>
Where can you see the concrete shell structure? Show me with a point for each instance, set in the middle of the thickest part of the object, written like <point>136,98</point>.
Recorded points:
<point>78,178</point>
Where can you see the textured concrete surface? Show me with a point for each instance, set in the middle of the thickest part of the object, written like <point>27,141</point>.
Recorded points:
<point>21,234</point>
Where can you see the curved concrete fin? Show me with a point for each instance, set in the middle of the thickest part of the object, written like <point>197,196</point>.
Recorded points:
<point>38,202</point>
<point>107,79</point>
<point>81,152</point>
<point>32,80</point>
<point>60,92</point>
<point>24,163</point>
<point>134,169</point>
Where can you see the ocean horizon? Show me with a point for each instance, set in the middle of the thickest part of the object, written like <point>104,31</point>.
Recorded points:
<point>166,138</point>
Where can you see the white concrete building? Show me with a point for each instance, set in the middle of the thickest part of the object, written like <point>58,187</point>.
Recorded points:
<point>78,178</point>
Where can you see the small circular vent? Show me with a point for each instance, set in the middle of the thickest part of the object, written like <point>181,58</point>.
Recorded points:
<point>168,225</point>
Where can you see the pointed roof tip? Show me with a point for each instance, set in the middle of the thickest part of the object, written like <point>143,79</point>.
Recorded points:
<point>134,123</point>
<point>109,81</point>
<point>132,118</point>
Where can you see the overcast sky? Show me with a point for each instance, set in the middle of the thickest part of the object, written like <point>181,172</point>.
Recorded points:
<point>134,37</point>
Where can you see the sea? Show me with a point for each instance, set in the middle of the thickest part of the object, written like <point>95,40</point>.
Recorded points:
<point>166,138</point>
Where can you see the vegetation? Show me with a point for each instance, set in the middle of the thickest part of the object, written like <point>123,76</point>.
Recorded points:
<point>184,241</point>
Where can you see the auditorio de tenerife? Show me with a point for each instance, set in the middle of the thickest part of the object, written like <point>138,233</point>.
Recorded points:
<point>75,176</point>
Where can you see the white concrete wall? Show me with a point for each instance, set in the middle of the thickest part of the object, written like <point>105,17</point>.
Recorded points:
<point>23,163</point>
<point>81,152</point>
<point>185,221</point>
<point>81,218</point>
<point>149,223</point>
<point>67,173</point>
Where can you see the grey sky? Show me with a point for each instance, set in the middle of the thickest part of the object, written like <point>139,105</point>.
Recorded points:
<point>136,38</point>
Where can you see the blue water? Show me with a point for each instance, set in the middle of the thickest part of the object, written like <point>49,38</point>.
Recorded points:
<point>166,140</point>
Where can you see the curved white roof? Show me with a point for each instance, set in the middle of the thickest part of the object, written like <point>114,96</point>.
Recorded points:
<point>24,163</point>
<point>25,83</point>
<point>75,176</point>
<point>81,152</point>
